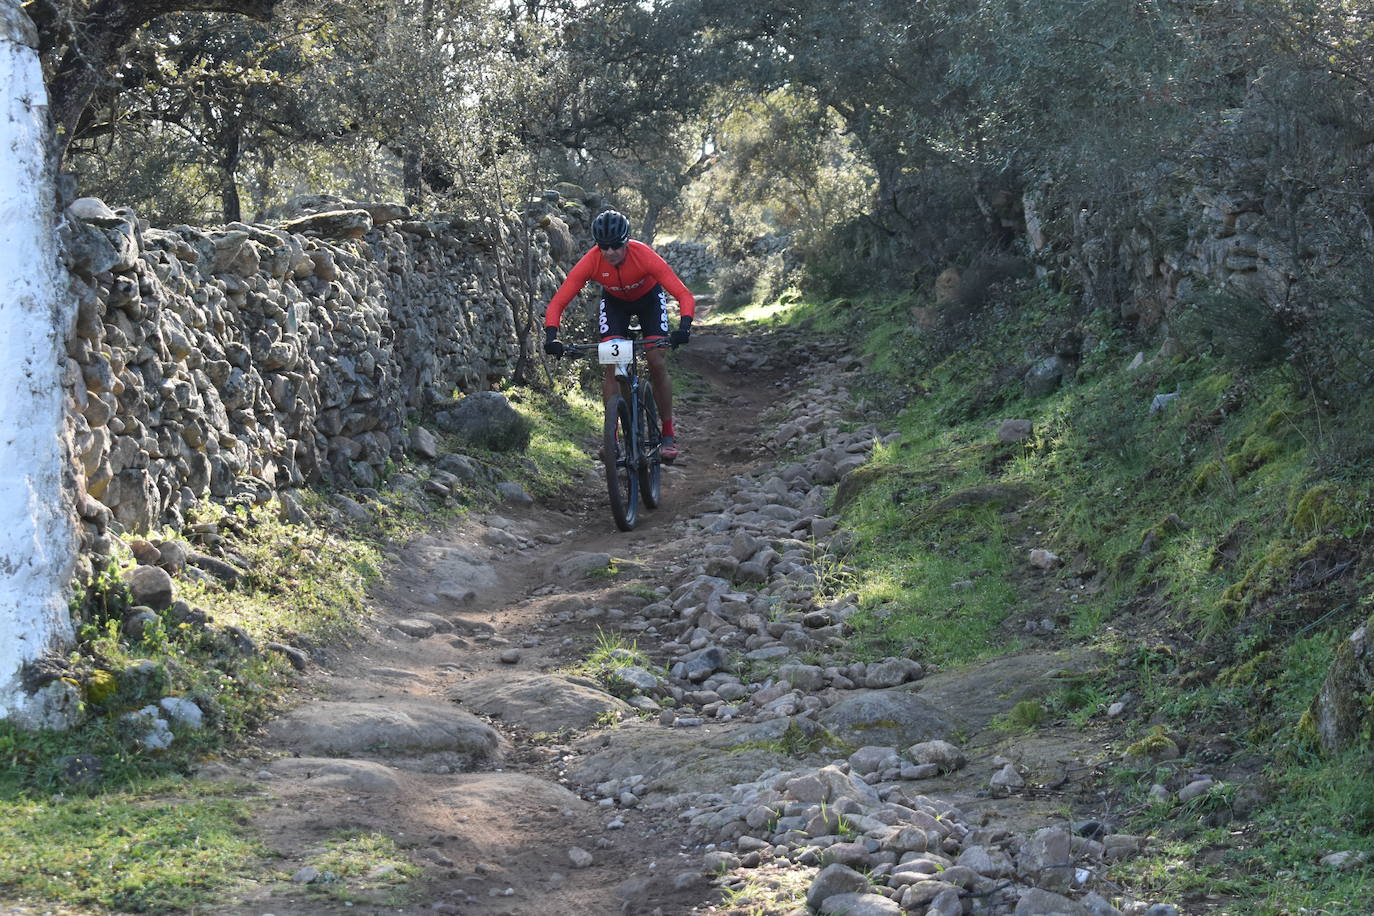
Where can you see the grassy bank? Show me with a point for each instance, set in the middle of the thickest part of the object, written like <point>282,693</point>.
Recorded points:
<point>1208,522</point>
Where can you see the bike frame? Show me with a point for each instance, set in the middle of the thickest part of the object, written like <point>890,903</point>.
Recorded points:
<point>640,466</point>
<point>628,375</point>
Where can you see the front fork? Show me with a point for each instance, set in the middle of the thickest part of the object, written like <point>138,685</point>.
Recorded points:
<point>627,393</point>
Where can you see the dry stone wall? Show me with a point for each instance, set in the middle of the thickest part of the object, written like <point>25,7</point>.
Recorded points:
<point>253,358</point>
<point>692,261</point>
<point>1144,269</point>
<point>1239,231</point>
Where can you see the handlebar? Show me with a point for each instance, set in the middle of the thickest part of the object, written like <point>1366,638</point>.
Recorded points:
<point>584,349</point>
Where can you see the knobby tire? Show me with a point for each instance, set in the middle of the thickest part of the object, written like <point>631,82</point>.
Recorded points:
<point>650,441</point>
<point>622,483</point>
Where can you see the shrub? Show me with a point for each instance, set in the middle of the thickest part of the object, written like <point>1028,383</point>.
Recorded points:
<point>735,283</point>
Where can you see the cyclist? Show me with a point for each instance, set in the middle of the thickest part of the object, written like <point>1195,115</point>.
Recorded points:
<point>634,281</point>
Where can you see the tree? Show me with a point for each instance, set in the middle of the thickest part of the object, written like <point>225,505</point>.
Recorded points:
<point>209,93</point>
<point>81,42</point>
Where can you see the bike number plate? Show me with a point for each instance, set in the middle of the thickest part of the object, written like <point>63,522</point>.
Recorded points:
<point>616,352</point>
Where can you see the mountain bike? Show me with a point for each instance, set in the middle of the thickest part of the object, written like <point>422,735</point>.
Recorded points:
<point>631,436</point>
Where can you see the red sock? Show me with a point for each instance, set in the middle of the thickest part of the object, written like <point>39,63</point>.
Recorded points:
<point>667,427</point>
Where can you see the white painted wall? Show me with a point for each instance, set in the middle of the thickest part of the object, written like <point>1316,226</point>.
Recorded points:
<point>37,529</point>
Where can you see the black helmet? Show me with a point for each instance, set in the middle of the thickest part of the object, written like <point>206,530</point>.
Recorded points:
<point>610,229</point>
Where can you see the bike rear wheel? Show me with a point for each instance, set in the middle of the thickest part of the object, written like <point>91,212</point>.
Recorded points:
<point>622,480</point>
<point>650,439</point>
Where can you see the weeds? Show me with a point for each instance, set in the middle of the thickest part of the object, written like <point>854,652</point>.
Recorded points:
<point>767,891</point>
<point>611,653</point>
<point>362,867</point>
<point>796,742</point>
<point>1025,716</point>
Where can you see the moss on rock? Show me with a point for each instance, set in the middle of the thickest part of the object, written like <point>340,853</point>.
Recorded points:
<point>1342,713</point>
<point>1155,746</point>
<point>1318,508</point>
<point>100,686</point>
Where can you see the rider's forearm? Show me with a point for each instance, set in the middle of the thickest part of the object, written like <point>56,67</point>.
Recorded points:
<point>572,285</point>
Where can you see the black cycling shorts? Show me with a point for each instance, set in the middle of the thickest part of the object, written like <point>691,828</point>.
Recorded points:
<point>613,315</point>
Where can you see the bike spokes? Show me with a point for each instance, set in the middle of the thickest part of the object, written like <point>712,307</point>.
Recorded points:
<point>650,469</point>
<point>622,479</point>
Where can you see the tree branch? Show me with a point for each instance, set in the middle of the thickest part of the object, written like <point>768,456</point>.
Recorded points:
<point>93,43</point>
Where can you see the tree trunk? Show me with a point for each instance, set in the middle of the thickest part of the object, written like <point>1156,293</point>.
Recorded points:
<point>37,541</point>
<point>229,198</point>
<point>411,179</point>
<point>650,224</point>
<point>229,186</point>
<point>261,190</point>
<point>517,290</point>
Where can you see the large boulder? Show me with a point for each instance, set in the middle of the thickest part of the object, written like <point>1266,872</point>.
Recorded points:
<point>1341,713</point>
<point>560,238</point>
<point>860,905</point>
<point>1046,375</point>
<point>833,880</point>
<point>360,776</point>
<point>326,729</point>
<point>487,420</point>
<point>336,224</point>
<point>974,696</point>
<point>886,717</point>
<point>150,586</point>
<point>538,702</point>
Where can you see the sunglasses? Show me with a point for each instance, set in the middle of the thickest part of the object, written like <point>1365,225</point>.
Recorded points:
<point>610,246</point>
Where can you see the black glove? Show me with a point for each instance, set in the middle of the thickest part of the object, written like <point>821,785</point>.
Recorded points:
<point>683,332</point>
<point>552,345</point>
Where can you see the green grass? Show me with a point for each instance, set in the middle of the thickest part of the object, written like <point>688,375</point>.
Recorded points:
<point>614,651</point>
<point>363,867</point>
<point>156,846</point>
<point>1204,544</point>
<point>936,584</point>
<point>1144,499</point>
<point>564,425</point>
<point>1272,864</point>
<point>783,310</point>
<point>1025,716</point>
<point>298,578</point>
<point>1081,700</point>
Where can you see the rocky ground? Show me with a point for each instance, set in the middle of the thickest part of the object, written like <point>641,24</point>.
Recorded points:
<point>726,755</point>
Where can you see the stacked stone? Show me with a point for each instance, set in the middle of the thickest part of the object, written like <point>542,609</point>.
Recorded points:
<point>1234,243</point>
<point>240,361</point>
<point>771,533</point>
<point>691,261</point>
<point>881,848</point>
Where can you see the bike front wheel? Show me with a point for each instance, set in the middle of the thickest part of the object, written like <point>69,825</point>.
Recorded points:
<point>650,441</point>
<point>622,478</point>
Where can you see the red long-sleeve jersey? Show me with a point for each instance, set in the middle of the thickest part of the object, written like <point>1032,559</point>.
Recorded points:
<point>635,276</point>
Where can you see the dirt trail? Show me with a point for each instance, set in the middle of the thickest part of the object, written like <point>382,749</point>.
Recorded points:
<point>494,839</point>
<point>488,617</point>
